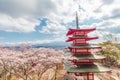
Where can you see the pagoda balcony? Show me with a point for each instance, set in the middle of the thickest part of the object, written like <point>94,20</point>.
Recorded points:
<point>80,76</point>
<point>83,49</point>
<point>80,44</point>
<point>80,62</point>
<point>80,51</point>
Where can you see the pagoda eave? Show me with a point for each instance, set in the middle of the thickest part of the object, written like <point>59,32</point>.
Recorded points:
<point>81,38</point>
<point>74,37</point>
<point>87,29</point>
<point>71,31</point>
<point>87,56</point>
<point>87,69</point>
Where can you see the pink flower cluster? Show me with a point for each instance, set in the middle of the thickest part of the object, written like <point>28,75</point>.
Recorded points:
<point>25,62</point>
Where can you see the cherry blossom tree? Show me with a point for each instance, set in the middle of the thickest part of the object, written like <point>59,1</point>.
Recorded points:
<point>28,64</point>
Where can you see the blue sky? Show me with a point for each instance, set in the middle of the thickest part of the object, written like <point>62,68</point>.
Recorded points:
<point>47,21</point>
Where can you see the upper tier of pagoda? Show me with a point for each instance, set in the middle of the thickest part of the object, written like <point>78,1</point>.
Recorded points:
<point>80,38</point>
<point>79,32</point>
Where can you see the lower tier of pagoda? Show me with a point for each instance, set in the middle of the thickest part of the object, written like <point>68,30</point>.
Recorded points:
<point>80,76</point>
<point>87,68</point>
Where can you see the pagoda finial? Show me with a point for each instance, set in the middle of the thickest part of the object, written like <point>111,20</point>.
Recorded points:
<point>77,27</point>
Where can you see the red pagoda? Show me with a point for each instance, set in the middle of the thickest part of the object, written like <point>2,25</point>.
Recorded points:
<point>85,59</point>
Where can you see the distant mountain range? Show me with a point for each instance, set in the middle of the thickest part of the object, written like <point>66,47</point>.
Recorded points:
<point>55,45</point>
<point>52,45</point>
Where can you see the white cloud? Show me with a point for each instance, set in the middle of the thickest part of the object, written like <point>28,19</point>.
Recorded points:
<point>53,28</point>
<point>20,8</point>
<point>7,23</point>
<point>23,15</point>
<point>43,41</point>
<point>105,10</point>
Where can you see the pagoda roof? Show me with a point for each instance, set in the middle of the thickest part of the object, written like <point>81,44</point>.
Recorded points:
<point>71,31</point>
<point>86,68</point>
<point>81,37</point>
<point>86,56</point>
<point>90,56</point>
<point>85,46</point>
